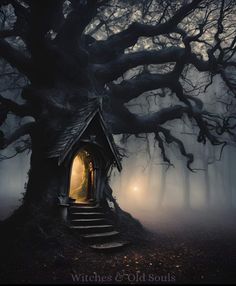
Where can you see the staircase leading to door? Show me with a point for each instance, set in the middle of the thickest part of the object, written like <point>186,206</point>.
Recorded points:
<point>90,222</point>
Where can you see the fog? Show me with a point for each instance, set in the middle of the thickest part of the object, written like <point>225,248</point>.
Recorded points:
<point>156,194</point>
<point>147,188</point>
<point>13,174</point>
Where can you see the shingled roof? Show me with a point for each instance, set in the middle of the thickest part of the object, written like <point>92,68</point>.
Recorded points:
<point>75,128</point>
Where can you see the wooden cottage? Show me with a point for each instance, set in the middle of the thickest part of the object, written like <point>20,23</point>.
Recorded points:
<point>87,151</point>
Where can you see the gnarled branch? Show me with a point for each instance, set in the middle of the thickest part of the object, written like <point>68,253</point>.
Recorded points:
<point>15,58</point>
<point>114,69</point>
<point>129,89</point>
<point>172,139</point>
<point>146,123</point>
<point>17,109</point>
<point>25,129</point>
<point>7,33</point>
<point>77,20</point>
<point>103,51</point>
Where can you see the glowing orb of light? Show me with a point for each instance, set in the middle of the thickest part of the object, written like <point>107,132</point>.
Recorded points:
<point>135,188</point>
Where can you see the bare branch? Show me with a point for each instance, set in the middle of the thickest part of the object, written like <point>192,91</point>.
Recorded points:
<point>19,110</point>
<point>129,89</point>
<point>7,33</point>
<point>25,129</point>
<point>172,139</point>
<point>135,124</point>
<point>15,58</point>
<point>103,51</point>
<point>114,69</point>
<point>162,148</point>
<point>77,20</point>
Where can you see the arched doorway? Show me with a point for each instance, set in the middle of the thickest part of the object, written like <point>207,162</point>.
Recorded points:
<point>82,178</point>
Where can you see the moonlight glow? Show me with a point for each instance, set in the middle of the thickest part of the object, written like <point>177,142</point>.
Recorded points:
<point>136,189</point>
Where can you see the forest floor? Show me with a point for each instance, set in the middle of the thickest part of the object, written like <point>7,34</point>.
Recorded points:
<point>185,248</point>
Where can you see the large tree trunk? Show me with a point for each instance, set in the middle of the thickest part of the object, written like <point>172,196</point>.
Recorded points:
<point>44,182</point>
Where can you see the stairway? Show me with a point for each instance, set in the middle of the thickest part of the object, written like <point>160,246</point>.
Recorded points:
<point>89,221</point>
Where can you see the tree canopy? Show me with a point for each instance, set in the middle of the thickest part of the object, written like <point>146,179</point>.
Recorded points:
<point>60,53</point>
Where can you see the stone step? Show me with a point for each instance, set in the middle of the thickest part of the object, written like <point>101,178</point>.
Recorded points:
<point>109,246</point>
<point>89,208</point>
<point>92,228</point>
<point>101,237</point>
<point>88,221</point>
<point>87,215</point>
<point>92,203</point>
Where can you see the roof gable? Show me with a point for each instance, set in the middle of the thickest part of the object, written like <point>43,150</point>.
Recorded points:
<point>75,131</point>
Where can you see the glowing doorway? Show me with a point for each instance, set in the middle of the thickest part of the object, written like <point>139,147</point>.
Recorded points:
<point>82,177</point>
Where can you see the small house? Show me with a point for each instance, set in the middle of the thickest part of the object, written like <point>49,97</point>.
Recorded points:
<point>86,151</point>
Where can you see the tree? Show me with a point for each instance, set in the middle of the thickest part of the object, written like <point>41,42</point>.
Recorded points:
<point>70,51</point>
